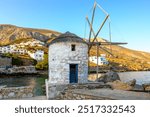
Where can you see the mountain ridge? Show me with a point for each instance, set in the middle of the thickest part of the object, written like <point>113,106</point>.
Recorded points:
<point>9,33</point>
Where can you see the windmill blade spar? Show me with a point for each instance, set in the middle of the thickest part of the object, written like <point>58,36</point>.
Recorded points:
<point>106,50</point>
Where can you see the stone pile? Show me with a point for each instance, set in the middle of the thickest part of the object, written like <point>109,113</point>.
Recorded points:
<point>112,78</point>
<point>16,92</point>
<point>146,86</point>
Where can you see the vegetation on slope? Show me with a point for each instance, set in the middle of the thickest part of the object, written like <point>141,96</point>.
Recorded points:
<point>10,33</point>
<point>124,59</point>
<point>43,65</point>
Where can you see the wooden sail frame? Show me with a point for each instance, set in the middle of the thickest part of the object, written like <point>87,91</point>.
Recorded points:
<point>99,44</point>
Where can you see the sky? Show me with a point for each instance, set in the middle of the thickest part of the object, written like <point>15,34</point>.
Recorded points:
<point>130,19</point>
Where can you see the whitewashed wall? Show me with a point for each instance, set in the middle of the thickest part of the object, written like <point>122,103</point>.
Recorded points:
<point>60,56</point>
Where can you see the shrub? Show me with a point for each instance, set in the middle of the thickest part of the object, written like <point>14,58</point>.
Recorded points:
<point>43,65</point>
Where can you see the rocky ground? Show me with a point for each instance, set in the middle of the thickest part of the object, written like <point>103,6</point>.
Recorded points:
<point>112,78</point>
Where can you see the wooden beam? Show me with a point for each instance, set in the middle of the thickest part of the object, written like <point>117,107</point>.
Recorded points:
<point>106,51</point>
<point>97,68</point>
<point>91,28</point>
<point>92,20</point>
<point>99,30</point>
<point>106,43</point>
<point>110,37</point>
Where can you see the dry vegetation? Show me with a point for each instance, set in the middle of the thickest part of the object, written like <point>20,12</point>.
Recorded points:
<point>125,59</point>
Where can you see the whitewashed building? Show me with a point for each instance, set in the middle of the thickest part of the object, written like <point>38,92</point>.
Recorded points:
<point>12,49</point>
<point>68,60</point>
<point>37,55</point>
<point>5,61</point>
<point>0,49</point>
<point>5,49</point>
<point>101,59</point>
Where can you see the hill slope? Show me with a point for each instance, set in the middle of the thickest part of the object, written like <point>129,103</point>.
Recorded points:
<point>125,59</point>
<point>9,33</point>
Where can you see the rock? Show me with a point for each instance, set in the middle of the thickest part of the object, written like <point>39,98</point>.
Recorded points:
<point>146,86</point>
<point>30,95</point>
<point>120,85</point>
<point>24,96</point>
<point>97,86</point>
<point>138,87</point>
<point>132,82</point>
<point>3,86</point>
<point>5,97</point>
<point>1,97</point>
<point>11,95</point>
<point>109,77</point>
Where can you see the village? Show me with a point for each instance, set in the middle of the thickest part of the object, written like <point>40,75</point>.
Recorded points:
<point>19,49</point>
<point>38,55</point>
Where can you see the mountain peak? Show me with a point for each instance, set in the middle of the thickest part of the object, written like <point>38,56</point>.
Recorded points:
<point>6,25</point>
<point>9,33</point>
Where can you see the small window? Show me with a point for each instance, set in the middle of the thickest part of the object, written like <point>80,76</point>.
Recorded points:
<point>73,47</point>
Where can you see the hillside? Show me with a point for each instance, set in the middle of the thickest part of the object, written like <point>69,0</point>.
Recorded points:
<point>124,59</point>
<point>10,33</point>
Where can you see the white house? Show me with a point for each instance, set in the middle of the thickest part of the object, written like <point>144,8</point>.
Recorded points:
<point>0,49</point>
<point>12,49</point>
<point>5,49</point>
<point>38,55</point>
<point>20,51</point>
<point>101,59</point>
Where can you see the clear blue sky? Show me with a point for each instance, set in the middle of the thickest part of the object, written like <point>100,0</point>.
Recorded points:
<point>130,19</point>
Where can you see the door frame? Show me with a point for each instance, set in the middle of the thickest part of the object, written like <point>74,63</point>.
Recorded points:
<point>76,73</point>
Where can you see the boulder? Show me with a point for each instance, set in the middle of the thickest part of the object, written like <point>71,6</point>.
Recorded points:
<point>3,86</point>
<point>146,86</point>
<point>1,96</point>
<point>11,95</point>
<point>109,77</point>
<point>138,87</point>
<point>132,82</point>
<point>120,85</point>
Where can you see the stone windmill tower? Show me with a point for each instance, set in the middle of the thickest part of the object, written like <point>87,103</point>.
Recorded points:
<point>68,59</point>
<point>68,63</point>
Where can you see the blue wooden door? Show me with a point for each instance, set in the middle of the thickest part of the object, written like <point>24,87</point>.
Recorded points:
<point>73,73</point>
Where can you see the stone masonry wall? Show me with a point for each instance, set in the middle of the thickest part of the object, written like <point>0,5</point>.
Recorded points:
<point>5,61</point>
<point>16,92</point>
<point>71,95</point>
<point>60,56</point>
<point>69,91</point>
<point>19,70</point>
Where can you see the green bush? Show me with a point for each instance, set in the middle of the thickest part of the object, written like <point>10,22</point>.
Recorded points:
<point>43,65</point>
<point>17,61</point>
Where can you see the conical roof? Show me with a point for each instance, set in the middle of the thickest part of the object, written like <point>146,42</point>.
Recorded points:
<point>67,37</point>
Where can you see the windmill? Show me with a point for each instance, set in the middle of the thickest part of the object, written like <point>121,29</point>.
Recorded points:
<point>95,41</point>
